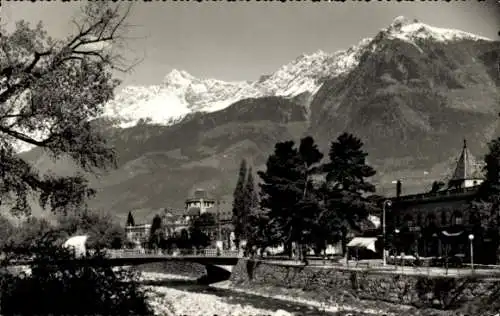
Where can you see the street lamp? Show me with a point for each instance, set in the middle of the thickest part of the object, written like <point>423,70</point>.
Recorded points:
<point>387,203</point>
<point>471,238</point>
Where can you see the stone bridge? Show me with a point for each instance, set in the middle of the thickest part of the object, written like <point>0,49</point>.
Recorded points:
<point>218,265</point>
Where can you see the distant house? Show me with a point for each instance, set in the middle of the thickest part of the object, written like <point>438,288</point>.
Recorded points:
<point>138,234</point>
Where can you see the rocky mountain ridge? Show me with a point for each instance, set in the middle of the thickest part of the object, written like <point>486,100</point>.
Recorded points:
<point>180,93</point>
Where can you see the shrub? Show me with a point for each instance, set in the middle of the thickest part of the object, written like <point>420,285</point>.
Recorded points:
<point>56,286</point>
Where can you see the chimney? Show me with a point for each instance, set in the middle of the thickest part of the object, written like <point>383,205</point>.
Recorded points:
<point>398,189</point>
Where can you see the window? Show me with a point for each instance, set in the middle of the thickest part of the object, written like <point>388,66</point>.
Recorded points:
<point>408,220</point>
<point>444,219</point>
<point>457,218</point>
<point>419,219</point>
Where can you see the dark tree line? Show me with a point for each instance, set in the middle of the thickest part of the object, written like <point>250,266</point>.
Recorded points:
<point>305,200</point>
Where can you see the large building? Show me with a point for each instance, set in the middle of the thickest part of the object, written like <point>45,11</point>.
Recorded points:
<point>174,224</point>
<point>200,203</point>
<point>138,234</point>
<point>439,223</point>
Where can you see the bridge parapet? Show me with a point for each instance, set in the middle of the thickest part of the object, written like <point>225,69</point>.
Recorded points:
<point>128,253</point>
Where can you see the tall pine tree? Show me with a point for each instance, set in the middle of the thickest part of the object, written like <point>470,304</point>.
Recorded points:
<point>280,193</point>
<point>239,201</point>
<point>346,185</point>
<point>156,233</point>
<point>308,209</point>
<point>250,206</point>
<point>285,192</point>
<point>130,219</point>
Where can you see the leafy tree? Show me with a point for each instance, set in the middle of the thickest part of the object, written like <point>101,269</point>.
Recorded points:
<point>492,166</point>
<point>29,233</point>
<point>7,230</point>
<point>102,230</point>
<point>239,201</point>
<point>50,91</point>
<point>200,228</point>
<point>346,186</point>
<point>485,208</point>
<point>156,233</point>
<point>61,289</point>
<point>130,219</point>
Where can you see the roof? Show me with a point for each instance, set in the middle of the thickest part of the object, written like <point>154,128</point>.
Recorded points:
<point>467,167</point>
<point>363,242</point>
<point>200,194</point>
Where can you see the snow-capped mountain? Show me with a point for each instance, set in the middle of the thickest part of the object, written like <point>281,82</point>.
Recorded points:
<point>411,30</point>
<point>181,93</point>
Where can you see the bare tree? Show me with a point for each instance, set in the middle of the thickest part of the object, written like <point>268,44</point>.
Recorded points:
<point>51,90</point>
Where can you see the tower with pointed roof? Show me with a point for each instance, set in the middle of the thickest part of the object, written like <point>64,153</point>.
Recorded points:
<point>467,171</point>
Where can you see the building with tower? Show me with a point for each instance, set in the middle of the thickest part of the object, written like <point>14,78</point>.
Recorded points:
<point>202,203</point>
<point>438,223</point>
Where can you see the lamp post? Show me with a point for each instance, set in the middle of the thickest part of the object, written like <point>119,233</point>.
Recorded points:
<point>471,238</point>
<point>387,203</point>
<point>397,231</point>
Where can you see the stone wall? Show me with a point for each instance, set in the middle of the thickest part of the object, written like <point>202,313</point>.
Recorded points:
<point>184,268</point>
<point>420,291</point>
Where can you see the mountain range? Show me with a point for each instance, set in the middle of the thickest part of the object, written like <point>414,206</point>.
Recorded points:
<point>412,93</point>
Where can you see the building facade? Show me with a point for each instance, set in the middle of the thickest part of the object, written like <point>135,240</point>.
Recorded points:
<point>174,224</point>
<point>440,223</point>
<point>200,203</point>
<point>138,234</point>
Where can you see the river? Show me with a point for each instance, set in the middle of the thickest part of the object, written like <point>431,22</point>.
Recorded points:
<point>172,295</point>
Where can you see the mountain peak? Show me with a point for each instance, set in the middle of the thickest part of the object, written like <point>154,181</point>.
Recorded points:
<point>178,78</point>
<point>401,21</point>
<point>409,30</point>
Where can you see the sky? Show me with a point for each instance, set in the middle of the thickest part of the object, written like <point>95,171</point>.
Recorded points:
<point>244,40</point>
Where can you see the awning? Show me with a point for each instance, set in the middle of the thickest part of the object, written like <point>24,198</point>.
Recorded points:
<point>444,232</point>
<point>363,242</point>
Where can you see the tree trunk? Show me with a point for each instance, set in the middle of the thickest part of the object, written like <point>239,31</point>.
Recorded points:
<point>344,240</point>
<point>288,249</point>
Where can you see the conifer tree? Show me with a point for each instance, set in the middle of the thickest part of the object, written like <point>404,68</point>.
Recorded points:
<point>346,184</point>
<point>251,203</point>
<point>280,193</point>
<point>308,208</point>
<point>239,201</point>
<point>284,192</point>
<point>156,233</point>
<point>130,219</point>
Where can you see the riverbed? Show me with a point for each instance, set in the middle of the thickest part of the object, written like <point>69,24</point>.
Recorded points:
<point>180,295</point>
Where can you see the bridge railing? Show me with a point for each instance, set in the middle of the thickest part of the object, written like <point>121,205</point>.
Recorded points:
<point>208,252</point>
